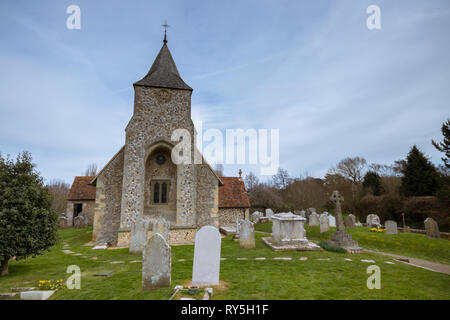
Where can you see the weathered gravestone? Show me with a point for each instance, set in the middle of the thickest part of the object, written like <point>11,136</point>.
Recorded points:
<point>341,238</point>
<point>331,221</point>
<point>323,220</point>
<point>156,263</point>
<point>206,267</point>
<point>269,213</point>
<point>373,221</point>
<point>313,219</point>
<point>432,228</point>
<point>288,233</point>
<point>161,226</point>
<point>79,221</point>
<point>348,222</point>
<point>255,216</point>
<point>138,235</point>
<point>246,234</point>
<point>353,218</point>
<point>391,227</point>
<point>63,221</point>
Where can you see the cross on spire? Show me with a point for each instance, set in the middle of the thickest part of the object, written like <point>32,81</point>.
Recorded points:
<point>165,25</point>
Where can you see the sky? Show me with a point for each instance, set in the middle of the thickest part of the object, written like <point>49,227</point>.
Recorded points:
<point>311,69</point>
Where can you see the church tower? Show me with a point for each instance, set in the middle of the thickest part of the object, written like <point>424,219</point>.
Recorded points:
<point>152,184</point>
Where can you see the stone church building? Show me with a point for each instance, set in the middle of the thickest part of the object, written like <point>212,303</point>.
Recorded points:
<point>141,182</point>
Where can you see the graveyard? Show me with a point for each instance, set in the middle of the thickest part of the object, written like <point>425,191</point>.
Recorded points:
<point>255,273</point>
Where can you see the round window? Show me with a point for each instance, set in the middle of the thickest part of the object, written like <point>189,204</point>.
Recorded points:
<point>160,159</point>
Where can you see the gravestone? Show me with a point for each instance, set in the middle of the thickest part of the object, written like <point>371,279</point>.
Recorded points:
<point>331,221</point>
<point>313,219</point>
<point>432,228</point>
<point>341,238</point>
<point>373,221</point>
<point>324,224</point>
<point>288,233</point>
<point>246,234</point>
<point>206,267</point>
<point>302,213</point>
<point>161,226</point>
<point>63,221</point>
<point>138,235</point>
<point>156,263</point>
<point>79,222</point>
<point>391,227</point>
<point>269,213</point>
<point>353,218</point>
<point>348,222</point>
<point>238,223</point>
<point>255,216</point>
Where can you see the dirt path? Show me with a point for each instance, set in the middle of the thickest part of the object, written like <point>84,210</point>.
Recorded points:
<point>425,264</point>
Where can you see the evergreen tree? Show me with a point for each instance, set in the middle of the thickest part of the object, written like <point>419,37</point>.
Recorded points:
<point>420,177</point>
<point>27,222</point>
<point>444,146</point>
<point>372,182</point>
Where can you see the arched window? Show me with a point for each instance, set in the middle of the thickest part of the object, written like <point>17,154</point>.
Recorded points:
<point>156,193</point>
<point>160,191</point>
<point>164,192</point>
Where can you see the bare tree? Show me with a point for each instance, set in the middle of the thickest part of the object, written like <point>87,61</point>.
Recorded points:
<point>91,170</point>
<point>59,190</point>
<point>281,180</point>
<point>251,181</point>
<point>352,168</point>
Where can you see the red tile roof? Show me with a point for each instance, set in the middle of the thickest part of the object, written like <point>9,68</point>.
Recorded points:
<point>233,194</point>
<point>81,190</point>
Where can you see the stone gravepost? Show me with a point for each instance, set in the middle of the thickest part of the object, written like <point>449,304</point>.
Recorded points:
<point>156,263</point>
<point>313,219</point>
<point>348,222</point>
<point>324,223</point>
<point>206,267</point>
<point>138,236</point>
<point>432,228</point>
<point>373,221</point>
<point>331,221</point>
<point>161,226</point>
<point>341,238</point>
<point>246,234</point>
<point>391,227</point>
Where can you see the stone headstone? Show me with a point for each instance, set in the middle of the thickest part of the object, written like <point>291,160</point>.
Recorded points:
<point>206,267</point>
<point>313,219</point>
<point>79,222</point>
<point>246,234</point>
<point>348,222</point>
<point>302,213</point>
<point>138,236</point>
<point>161,226</point>
<point>269,213</point>
<point>432,228</point>
<point>63,221</point>
<point>331,221</point>
<point>373,221</point>
<point>156,263</point>
<point>353,218</point>
<point>311,210</point>
<point>255,216</point>
<point>391,227</point>
<point>324,224</point>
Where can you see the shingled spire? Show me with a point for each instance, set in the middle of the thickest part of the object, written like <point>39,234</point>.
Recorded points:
<point>164,72</point>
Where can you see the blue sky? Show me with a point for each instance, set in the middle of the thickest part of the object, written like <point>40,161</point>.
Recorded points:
<point>310,68</point>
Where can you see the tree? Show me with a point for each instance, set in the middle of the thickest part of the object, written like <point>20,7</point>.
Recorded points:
<point>91,170</point>
<point>59,190</point>
<point>372,182</point>
<point>444,146</point>
<point>251,181</point>
<point>351,168</point>
<point>420,177</point>
<point>281,179</point>
<point>27,221</point>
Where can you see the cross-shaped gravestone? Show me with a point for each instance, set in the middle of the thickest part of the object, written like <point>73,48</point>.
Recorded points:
<point>338,199</point>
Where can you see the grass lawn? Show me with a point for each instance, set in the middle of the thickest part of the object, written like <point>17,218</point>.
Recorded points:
<point>413,245</point>
<point>242,279</point>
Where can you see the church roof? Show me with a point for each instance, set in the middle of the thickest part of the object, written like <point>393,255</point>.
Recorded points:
<point>233,194</point>
<point>81,189</point>
<point>163,73</point>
